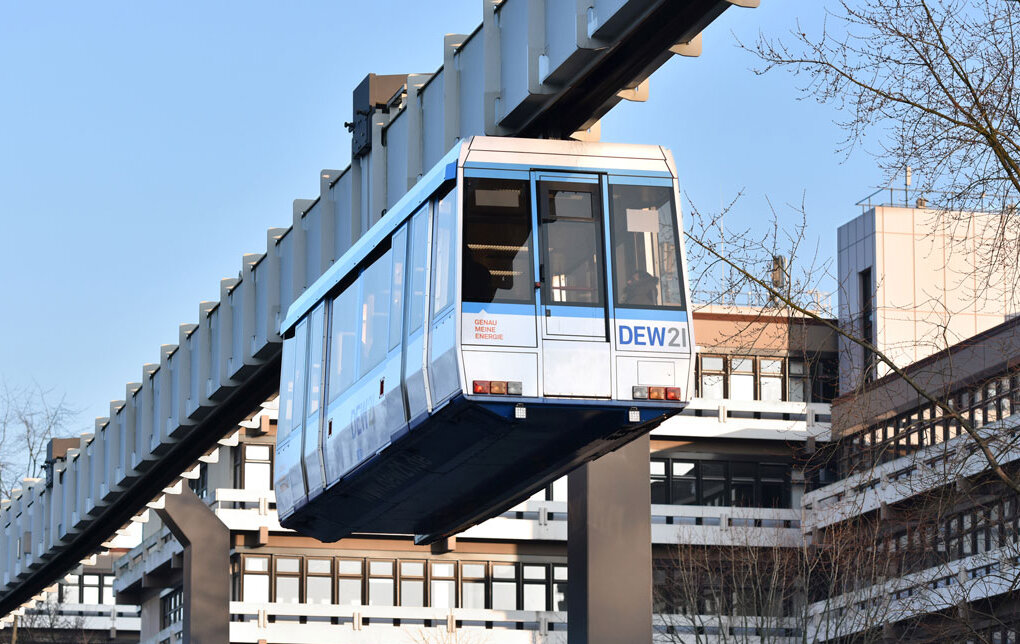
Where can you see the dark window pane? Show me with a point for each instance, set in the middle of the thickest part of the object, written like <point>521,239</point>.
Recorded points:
<point>713,470</point>
<point>742,493</point>
<point>498,263</point>
<point>659,491</point>
<point>715,493</point>
<point>774,495</point>
<point>645,257</point>
<point>685,492</point>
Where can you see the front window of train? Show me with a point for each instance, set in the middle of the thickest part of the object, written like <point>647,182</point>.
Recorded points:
<point>498,265</point>
<point>646,250</point>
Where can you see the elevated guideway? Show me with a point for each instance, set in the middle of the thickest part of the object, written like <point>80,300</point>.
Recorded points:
<point>537,68</point>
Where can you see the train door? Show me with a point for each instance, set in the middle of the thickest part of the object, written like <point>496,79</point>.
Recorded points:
<point>573,304</point>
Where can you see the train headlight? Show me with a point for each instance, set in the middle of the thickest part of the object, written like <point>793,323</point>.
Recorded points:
<point>515,388</point>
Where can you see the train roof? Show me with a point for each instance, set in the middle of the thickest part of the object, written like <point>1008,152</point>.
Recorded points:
<point>484,151</point>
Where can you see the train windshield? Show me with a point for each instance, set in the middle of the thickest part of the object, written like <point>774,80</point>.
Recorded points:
<point>498,265</point>
<point>646,256</point>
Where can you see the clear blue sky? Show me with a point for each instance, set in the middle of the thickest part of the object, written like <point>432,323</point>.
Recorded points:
<point>144,147</point>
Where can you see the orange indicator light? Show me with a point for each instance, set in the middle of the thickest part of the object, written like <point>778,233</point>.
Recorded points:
<point>497,387</point>
<point>656,393</point>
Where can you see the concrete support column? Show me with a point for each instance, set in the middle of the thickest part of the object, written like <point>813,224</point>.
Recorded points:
<point>206,544</point>
<point>609,548</point>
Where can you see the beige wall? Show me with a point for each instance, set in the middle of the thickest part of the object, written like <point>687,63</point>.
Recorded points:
<point>937,280</point>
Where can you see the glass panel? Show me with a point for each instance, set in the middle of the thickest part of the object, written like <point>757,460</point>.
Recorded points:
<point>771,366</point>
<point>573,273</point>
<point>771,389</point>
<point>315,337</point>
<point>256,452</point>
<point>288,589</point>
<point>412,593</point>
<point>90,595</point>
<point>712,387</point>
<point>445,223</point>
<point>741,386</point>
<point>473,594</point>
<point>350,592</point>
<point>504,571</point>
<point>657,467</point>
<point>380,592</point>
<point>473,570</point>
<point>559,595</point>
<point>645,256</point>
<point>257,476</point>
<point>319,566</point>
<point>534,596</point>
<point>412,568</point>
<point>419,255</point>
<point>712,363</point>
<point>375,297</point>
<point>534,572</point>
<point>684,491</point>
<point>442,569</point>
<point>343,356</point>
<point>256,564</point>
<point>256,588</point>
<point>444,593</point>
<point>683,468</point>
<point>498,265</point>
<point>318,590</point>
<point>350,567</point>
<point>71,594</point>
<point>293,388</point>
<point>399,253</point>
<point>380,567</point>
<point>798,390</point>
<point>504,595</point>
<point>288,564</point>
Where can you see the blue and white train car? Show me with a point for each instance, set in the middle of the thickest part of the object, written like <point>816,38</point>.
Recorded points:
<point>521,310</point>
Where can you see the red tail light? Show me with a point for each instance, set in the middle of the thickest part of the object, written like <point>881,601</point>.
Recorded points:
<point>480,386</point>
<point>673,393</point>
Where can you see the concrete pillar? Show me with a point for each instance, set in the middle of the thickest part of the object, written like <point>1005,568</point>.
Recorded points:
<point>206,543</point>
<point>609,548</point>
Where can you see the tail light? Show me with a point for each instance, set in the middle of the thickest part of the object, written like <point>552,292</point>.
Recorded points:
<point>656,393</point>
<point>498,387</point>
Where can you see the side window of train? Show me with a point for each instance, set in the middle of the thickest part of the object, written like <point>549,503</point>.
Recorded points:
<point>646,256</point>
<point>375,307</point>
<point>288,385</point>
<point>399,252</point>
<point>343,355</point>
<point>443,268</point>
<point>419,262</point>
<point>293,404</point>
<point>497,260</point>
<point>314,369</point>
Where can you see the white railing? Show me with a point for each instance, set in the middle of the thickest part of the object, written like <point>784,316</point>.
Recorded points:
<point>277,623</point>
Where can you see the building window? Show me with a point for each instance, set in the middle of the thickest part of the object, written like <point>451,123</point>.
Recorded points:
<point>472,588</point>
<point>680,481</point>
<point>253,467</point>
<point>87,588</point>
<point>171,608</point>
<point>288,580</point>
<point>535,584</point>
<point>200,485</point>
<point>741,379</point>
<point>443,585</point>
<point>319,581</point>
<point>770,379</point>
<point>381,587</point>
<point>412,583</point>
<point>350,575</point>
<point>255,579</point>
<point>504,586</point>
<point>713,377</point>
<point>559,588</point>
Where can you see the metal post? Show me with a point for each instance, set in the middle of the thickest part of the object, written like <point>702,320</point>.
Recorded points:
<point>609,549</point>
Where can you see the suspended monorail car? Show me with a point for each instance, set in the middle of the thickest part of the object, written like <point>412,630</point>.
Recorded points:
<point>520,311</point>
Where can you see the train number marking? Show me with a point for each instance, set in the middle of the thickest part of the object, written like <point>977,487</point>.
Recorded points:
<point>650,336</point>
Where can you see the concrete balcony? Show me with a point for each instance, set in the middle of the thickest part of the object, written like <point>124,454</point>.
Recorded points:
<point>274,623</point>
